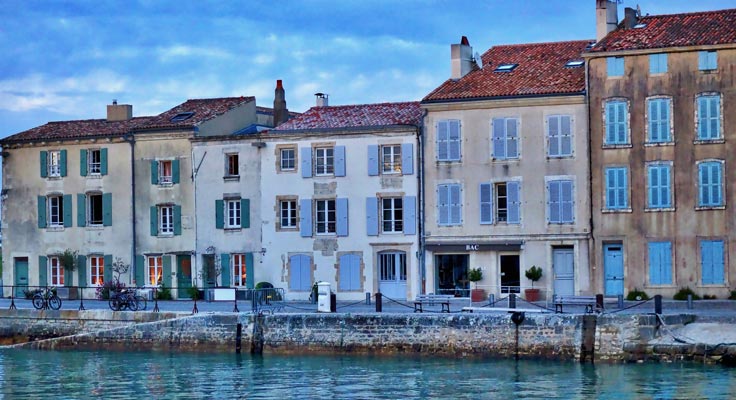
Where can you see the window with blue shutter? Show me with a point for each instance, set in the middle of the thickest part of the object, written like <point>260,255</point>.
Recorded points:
<point>559,136</point>
<point>81,210</point>
<point>305,212</point>
<point>615,66</point>
<point>306,155</point>
<point>560,202</point>
<point>349,276</point>
<point>107,209</point>
<point>709,117</point>
<point>505,138</point>
<point>340,161</point>
<point>712,262</point>
<point>449,204</point>
<point>658,63</point>
<point>410,215</point>
<point>62,162</point>
<point>710,184</point>
<point>486,203</point>
<point>67,211</point>
<point>41,210</point>
<point>407,158</point>
<point>616,123</point>
<point>659,186</point>
<point>300,274</point>
<point>617,196</point>
<point>43,271</point>
<point>245,213</point>
<point>660,263</point>
<point>175,171</point>
<point>372,160</point>
<point>153,220</point>
<point>513,203</point>
<point>103,161</point>
<point>154,172</point>
<point>659,120</point>
<point>44,155</point>
<point>342,217</point>
<point>83,162</point>
<point>177,220</point>
<point>707,60</point>
<point>371,216</point>
<point>448,140</point>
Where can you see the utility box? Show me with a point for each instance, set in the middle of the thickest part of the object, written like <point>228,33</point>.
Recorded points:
<point>323,297</point>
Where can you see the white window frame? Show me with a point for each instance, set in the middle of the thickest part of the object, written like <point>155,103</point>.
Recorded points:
<point>392,215</point>
<point>671,194</point>
<point>165,177</point>
<point>290,220</point>
<point>96,270</point>
<point>166,219</point>
<point>90,212</point>
<point>155,264</point>
<point>285,161</point>
<point>719,118</point>
<point>232,169</point>
<point>669,121</point>
<point>55,211</point>
<point>232,213</point>
<point>497,197</point>
<point>561,136</point>
<point>54,163</point>
<point>56,271</point>
<point>94,167</point>
<point>391,159</point>
<point>325,216</point>
<point>324,161</point>
<point>238,268</point>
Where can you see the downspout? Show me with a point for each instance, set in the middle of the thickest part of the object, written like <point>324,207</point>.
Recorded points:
<point>591,247</point>
<point>130,138</point>
<point>420,178</point>
<point>196,225</point>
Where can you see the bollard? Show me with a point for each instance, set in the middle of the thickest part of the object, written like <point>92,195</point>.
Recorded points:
<point>599,302</point>
<point>235,307</point>
<point>491,299</point>
<point>620,301</point>
<point>333,302</point>
<point>195,310</point>
<point>658,304</point>
<point>81,299</point>
<point>512,300</point>
<point>689,302</point>
<point>367,298</point>
<point>12,298</point>
<point>379,302</point>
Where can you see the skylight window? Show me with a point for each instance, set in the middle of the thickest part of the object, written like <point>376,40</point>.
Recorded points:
<point>639,26</point>
<point>574,63</point>
<point>182,116</point>
<point>505,67</point>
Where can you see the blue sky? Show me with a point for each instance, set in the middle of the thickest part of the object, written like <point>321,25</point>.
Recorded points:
<point>66,60</point>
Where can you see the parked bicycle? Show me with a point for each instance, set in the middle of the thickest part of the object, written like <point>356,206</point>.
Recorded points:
<point>122,300</point>
<point>43,299</point>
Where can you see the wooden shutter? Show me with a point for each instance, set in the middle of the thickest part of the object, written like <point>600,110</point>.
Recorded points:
<point>177,220</point>
<point>226,270</point>
<point>718,262</point>
<point>82,271</point>
<point>44,155</point>
<point>567,202</point>
<point>83,162</point>
<point>512,138</point>
<point>107,268</point>
<point>175,171</point>
<point>344,275</point>
<point>455,140</point>
<point>499,145</point>
<point>407,158</point>
<point>68,277</point>
<point>442,141</point>
<point>166,279</point>
<point>62,162</point>
<point>103,161</point>
<point>42,223</point>
<point>371,216</point>
<point>340,161</point>
<point>305,212</point>
<point>306,273</point>
<point>443,204</point>
<point>154,172</point>
<point>456,207</point>
<point>513,203</point>
<point>306,155</point>
<point>294,272</point>
<point>107,209</point>
<point>67,211</point>
<point>706,261</point>
<point>553,135</point>
<point>410,215</point>
<point>43,271</point>
<point>140,270</point>
<point>154,220</point>
<point>81,210</point>
<point>373,160</point>
<point>245,213</point>
<point>249,277</point>
<point>486,203</point>
<point>219,214</point>
<point>342,217</point>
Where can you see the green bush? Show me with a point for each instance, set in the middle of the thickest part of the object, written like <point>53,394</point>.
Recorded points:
<point>264,285</point>
<point>733,295</point>
<point>163,293</point>
<point>193,292</point>
<point>682,294</point>
<point>637,295</point>
<point>709,297</point>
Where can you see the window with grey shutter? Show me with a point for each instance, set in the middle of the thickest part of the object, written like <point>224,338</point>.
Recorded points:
<point>448,140</point>
<point>486,204</point>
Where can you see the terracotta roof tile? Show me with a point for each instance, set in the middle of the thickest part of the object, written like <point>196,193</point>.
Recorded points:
<point>541,70</point>
<point>355,116</point>
<point>202,109</point>
<point>88,128</point>
<point>674,30</point>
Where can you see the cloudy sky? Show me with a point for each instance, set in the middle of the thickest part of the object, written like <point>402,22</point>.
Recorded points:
<point>66,60</point>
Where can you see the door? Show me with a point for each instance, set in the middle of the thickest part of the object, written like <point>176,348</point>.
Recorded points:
<point>452,274</point>
<point>300,273</point>
<point>392,275</point>
<point>209,280</point>
<point>21,276</point>
<point>183,275</point>
<point>613,265</point>
<point>510,276</point>
<point>563,264</point>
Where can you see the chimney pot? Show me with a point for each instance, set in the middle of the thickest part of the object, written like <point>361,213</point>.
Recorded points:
<point>280,112</point>
<point>461,59</point>
<point>630,18</point>
<point>322,99</point>
<point>119,112</point>
<point>606,18</point>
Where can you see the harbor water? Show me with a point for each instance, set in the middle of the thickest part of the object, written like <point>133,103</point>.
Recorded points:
<point>26,374</point>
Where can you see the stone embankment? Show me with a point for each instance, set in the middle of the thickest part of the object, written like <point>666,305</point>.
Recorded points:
<point>607,338</point>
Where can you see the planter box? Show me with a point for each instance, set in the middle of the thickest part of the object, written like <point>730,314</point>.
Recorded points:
<point>477,295</point>
<point>531,294</point>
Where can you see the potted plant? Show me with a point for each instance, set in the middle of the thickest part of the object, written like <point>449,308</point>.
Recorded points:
<point>475,275</point>
<point>533,274</point>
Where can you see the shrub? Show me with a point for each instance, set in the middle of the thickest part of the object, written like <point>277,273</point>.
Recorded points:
<point>163,293</point>
<point>533,274</point>
<point>264,285</point>
<point>475,274</point>
<point>709,297</point>
<point>193,292</point>
<point>103,292</point>
<point>733,295</point>
<point>637,295</point>
<point>683,292</point>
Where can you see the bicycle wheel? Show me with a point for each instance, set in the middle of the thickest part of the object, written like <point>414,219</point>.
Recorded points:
<point>114,303</point>
<point>131,303</point>
<point>37,301</point>
<point>141,303</point>
<point>55,302</point>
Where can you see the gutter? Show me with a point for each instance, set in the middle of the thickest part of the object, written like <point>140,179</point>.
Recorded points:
<point>509,97</point>
<point>130,138</point>
<point>420,201</point>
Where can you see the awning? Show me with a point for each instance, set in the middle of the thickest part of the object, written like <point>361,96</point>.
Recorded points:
<point>475,246</point>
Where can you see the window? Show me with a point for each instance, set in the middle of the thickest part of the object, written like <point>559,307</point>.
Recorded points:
<point>449,207</point>
<point>710,184</point>
<point>660,263</point>
<point>165,172</point>
<point>615,66</point>
<point>155,270</point>
<point>392,266</point>
<point>232,168</point>
<point>232,211</point>
<point>56,271</point>
<point>326,217</point>
<point>94,209</point>
<point>325,161</point>
<point>182,116</point>
<point>707,60</point>
<point>617,196</point>
<point>94,161</point>
<point>505,67</point>
<point>617,122</point>
<point>288,159</point>
<point>657,63</point>
<point>56,211</point>
<point>709,117</point>
<point>448,140</point>
<point>659,185</point>
<point>239,269</point>
<point>392,215</point>
<point>560,202</point>
<point>165,220</point>
<point>574,63</point>
<point>54,163</point>
<point>288,214</point>
<point>559,136</point>
<point>96,270</point>
<point>501,202</point>
<point>505,138</point>
<point>658,114</point>
<point>391,159</point>
<point>712,261</point>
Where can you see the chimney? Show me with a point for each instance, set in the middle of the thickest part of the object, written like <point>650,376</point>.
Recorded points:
<point>119,112</point>
<point>280,112</point>
<point>461,59</point>
<point>606,18</point>
<point>322,99</point>
<point>631,18</point>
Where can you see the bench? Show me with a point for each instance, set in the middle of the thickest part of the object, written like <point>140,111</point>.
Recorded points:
<point>588,301</point>
<point>503,310</point>
<point>431,300</point>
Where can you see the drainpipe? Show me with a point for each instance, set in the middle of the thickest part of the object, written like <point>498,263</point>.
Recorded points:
<point>130,138</point>
<point>420,178</point>
<point>591,248</point>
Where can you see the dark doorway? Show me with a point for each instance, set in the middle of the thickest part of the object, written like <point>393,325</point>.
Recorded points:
<point>452,274</point>
<point>209,272</point>
<point>510,277</point>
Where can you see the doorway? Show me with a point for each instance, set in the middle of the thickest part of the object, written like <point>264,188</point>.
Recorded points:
<point>183,275</point>
<point>392,274</point>
<point>452,274</point>
<point>209,278</point>
<point>613,266</point>
<point>20,272</point>
<point>510,276</point>
<point>563,265</point>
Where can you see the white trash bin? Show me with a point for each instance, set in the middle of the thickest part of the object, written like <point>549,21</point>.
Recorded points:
<point>323,296</point>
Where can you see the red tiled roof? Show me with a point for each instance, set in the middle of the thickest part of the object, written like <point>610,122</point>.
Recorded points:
<point>269,111</point>
<point>355,116</point>
<point>541,71</point>
<point>691,29</point>
<point>88,128</point>
<point>203,109</point>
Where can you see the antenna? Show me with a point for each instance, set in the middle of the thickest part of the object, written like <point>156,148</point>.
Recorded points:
<point>478,61</point>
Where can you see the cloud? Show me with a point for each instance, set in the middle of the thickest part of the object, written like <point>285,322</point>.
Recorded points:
<point>179,51</point>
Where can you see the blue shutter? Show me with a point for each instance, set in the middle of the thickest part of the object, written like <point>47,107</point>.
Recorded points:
<point>410,215</point>
<point>107,209</point>
<point>718,262</point>
<point>499,145</point>
<point>512,138</point>
<point>249,277</point>
<point>177,220</point>
<point>42,212</point>
<point>553,201</point>
<point>706,261</point>
<point>154,172</point>
<point>371,216</point>
<point>226,270</point>
<point>610,122</point>
<point>567,200</point>
<point>107,268</point>
<point>43,271</point>
<point>513,203</point>
<point>486,203</point>
<point>342,216</point>
<point>454,140</point>
<point>68,277</point>
<point>373,160</point>
<point>44,164</point>
<point>443,204</point>
<point>652,186</point>
<point>245,213</point>
<point>442,142</point>
<point>339,160</point>
<point>154,220</point>
<point>667,262</point>
<point>175,171</point>
<point>140,270</point>
<point>553,136</point>
<point>703,118</point>
<point>655,275</point>
<point>716,185</point>
<point>306,154</point>
<point>103,161</point>
<point>622,125</point>
<point>294,272</point>
<point>407,158</point>
<point>344,276</point>
<point>715,117</point>
<point>67,211</point>
<point>219,214</point>
<point>81,210</point>
<point>305,212</point>
<point>306,273</point>
<point>623,196</point>
<point>82,271</point>
<point>456,207</point>
<point>62,162</point>
<point>652,111</point>
<point>707,60</point>
<point>83,162</point>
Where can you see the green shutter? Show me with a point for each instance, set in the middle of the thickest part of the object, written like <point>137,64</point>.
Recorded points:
<point>81,210</point>
<point>219,214</point>
<point>67,211</point>
<point>107,209</point>
<point>68,277</point>
<point>245,213</point>
<point>177,220</point>
<point>175,171</point>
<point>249,270</point>
<point>62,163</point>
<point>103,161</point>
<point>82,271</point>
<point>83,162</point>
<point>226,271</point>
<point>154,221</point>
<point>167,271</point>
<point>44,164</point>
<point>42,212</point>
<point>43,271</point>
<point>140,272</point>
<point>107,270</point>
<point>154,172</point>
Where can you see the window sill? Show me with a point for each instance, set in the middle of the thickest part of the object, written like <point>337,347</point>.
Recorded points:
<point>94,176</point>
<point>458,161</point>
<point>165,184</point>
<point>505,160</point>
<point>287,170</point>
<point>660,286</point>
<point>392,232</point>
<point>617,211</point>
<point>165,235</point>
<point>55,229</point>
<point>287,229</point>
<point>708,71</point>
<point>617,146</point>
<point>231,178</point>
<point>706,208</point>
<point>565,157</point>
<point>94,227</point>
<point>233,229</point>
<point>332,234</point>
<point>658,210</point>
<point>659,144</point>
<point>560,223</point>
<point>53,178</point>
<point>614,76</point>
<point>324,175</point>
<point>450,225</point>
<point>709,141</point>
<point>712,285</point>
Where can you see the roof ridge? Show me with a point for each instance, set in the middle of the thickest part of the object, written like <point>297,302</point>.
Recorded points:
<point>689,13</point>
<point>367,104</point>
<point>543,43</point>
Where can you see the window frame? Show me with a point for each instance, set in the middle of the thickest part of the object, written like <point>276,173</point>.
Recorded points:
<point>450,206</point>
<point>561,136</point>
<point>707,60</point>
<point>395,211</point>
<point>94,168</point>
<point>96,271</point>
<point>55,271</point>
<point>164,179</point>
<point>394,164</point>
<point>165,214</point>
<point>232,165</point>
<point>724,250</point>
<point>668,167</point>
<point>283,159</point>
<point>447,142</point>
<point>55,220</point>
<point>90,212</point>
<point>506,138</point>
<point>624,124</point>
<point>292,211</point>
<point>709,118</point>
<point>721,185</point>
<point>324,164</point>
<point>659,122</point>
<point>617,189</point>
<point>238,270</point>
<point>657,243</point>
<point>615,67</point>
<point>560,202</point>
<point>655,63</point>
<point>232,213</point>
<point>157,267</point>
<point>325,220</point>
<point>53,163</point>
<point>497,197</point>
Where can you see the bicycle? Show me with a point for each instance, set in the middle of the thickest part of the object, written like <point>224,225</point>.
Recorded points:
<point>43,299</point>
<point>141,302</point>
<point>122,300</point>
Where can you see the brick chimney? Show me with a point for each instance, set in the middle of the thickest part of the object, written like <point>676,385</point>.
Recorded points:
<point>119,112</point>
<point>606,18</point>
<point>280,112</point>
<point>631,18</point>
<point>322,99</point>
<point>461,59</point>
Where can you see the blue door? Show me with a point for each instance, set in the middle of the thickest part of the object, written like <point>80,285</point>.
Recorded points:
<point>21,276</point>
<point>300,274</point>
<point>613,265</point>
<point>563,264</point>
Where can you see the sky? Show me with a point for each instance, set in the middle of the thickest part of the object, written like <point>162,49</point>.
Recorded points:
<point>66,60</point>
